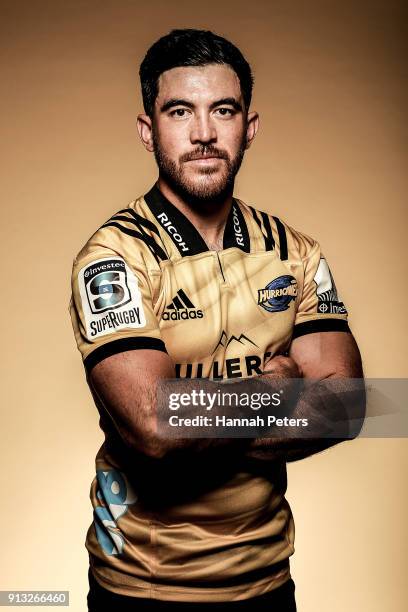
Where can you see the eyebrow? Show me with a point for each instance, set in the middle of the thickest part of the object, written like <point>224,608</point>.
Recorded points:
<point>227,102</point>
<point>181,102</point>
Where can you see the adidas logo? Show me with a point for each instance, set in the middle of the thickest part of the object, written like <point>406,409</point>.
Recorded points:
<point>181,307</point>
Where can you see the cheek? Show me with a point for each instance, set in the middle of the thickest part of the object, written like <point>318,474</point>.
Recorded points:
<point>232,139</point>
<point>171,139</point>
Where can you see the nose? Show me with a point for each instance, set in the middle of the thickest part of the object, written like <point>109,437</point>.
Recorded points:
<point>203,130</point>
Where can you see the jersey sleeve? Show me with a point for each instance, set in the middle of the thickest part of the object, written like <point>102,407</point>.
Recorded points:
<point>319,308</point>
<point>111,306</point>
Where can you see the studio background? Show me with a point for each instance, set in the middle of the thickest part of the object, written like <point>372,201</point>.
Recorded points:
<point>330,159</point>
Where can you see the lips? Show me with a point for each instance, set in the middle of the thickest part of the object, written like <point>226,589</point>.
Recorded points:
<point>207,158</point>
<point>203,156</point>
<point>206,163</point>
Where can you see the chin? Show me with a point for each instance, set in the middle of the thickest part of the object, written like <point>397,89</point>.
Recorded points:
<point>206,181</point>
<point>206,190</point>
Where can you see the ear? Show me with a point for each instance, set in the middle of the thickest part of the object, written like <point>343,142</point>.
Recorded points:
<point>145,129</point>
<point>252,127</point>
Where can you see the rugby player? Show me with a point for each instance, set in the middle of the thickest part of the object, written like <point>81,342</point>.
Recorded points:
<point>188,282</point>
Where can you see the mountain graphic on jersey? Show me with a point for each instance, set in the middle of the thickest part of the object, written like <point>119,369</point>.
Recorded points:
<point>181,308</point>
<point>224,341</point>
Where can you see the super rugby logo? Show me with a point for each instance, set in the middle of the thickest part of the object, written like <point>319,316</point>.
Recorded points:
<point>110,296</point>
<point>106,285</point>
<point>172,231</point>
<point>278,294</point>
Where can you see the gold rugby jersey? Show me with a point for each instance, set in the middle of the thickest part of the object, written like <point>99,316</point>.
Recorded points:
<point>146,279</point>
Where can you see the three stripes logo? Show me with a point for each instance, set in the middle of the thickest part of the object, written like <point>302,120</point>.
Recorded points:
<point>181,308</point>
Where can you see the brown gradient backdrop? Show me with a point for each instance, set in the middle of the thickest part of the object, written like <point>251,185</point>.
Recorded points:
<point>330,159</point>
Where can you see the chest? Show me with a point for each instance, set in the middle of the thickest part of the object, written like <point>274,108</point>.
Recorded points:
<point>221,314</point>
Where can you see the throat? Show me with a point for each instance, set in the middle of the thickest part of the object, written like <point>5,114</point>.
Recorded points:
<point>214,244</point>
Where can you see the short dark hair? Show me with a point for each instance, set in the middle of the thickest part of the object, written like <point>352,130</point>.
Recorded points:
<point>190,47</point>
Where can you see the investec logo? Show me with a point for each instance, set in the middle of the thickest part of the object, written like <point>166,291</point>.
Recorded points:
<point>181,308</point>
<point>172,231</point>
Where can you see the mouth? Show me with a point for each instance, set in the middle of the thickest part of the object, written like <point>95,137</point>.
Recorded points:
<point>207,159</point>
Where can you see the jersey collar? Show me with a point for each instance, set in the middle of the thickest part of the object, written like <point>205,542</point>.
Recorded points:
<point>183,233</point>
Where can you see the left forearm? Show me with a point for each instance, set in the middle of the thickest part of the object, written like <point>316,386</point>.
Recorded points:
<point>334,410</point>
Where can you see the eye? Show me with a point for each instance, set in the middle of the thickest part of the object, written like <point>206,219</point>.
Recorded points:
<point>225,112</point>
<point>179,113</point>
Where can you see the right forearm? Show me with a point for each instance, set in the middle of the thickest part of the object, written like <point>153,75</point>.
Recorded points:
<point>137,421</point>
<point>136,399</point>
<point>206,436</point>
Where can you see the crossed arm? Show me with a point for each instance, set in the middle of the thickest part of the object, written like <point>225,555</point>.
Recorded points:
<point>318,356</point>
<point>125,385</point>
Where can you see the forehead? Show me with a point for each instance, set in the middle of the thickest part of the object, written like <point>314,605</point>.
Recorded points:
<point>199,83</point>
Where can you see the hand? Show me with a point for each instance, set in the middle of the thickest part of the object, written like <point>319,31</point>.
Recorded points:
<point>284,375</point>
<point>281,366</point>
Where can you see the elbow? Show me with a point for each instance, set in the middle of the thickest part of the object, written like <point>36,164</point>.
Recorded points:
<point>140,435</point>
<point>357,409</point>
<point>356,424</point>
<point>147,443</point>
<point>156,448</point>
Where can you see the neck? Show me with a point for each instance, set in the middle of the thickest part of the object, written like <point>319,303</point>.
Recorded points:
<point>209,218</point>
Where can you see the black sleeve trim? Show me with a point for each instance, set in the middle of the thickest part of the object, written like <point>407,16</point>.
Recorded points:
<point>119,346</point>
<point>320,325</point>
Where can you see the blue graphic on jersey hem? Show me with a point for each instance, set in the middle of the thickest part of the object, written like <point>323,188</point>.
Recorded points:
<point>278,294</point>
<point>114,495</point>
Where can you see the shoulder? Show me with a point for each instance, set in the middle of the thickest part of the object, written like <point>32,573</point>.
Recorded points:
<point>290,242</point>
<point>129,234</point>
<point>300,245</point>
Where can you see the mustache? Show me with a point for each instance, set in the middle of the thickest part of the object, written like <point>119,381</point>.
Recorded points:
<point>204,151</point>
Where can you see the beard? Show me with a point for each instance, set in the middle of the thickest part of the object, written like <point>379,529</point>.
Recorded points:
<point>211,186</point>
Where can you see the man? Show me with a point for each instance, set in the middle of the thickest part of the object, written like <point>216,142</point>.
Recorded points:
<point>189,283</point>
